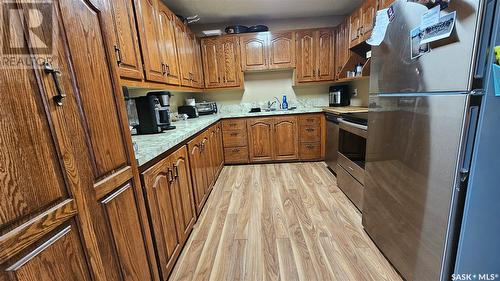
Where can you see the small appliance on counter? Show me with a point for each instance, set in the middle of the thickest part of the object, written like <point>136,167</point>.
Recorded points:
<point>189,110</point>
<point>153,111</point>
<point>339,96</point>
<point>206,108</point>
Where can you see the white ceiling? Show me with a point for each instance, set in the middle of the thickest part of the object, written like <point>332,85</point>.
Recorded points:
<point>233,11</point>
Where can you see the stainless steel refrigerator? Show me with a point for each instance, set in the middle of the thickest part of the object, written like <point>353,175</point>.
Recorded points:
<point>423,123</point>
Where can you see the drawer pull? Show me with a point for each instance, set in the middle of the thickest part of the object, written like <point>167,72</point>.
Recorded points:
<point>236,150</point>
<point>234,134</point>
<point>233,125</point>
<point>310,130</point>
<point>310,147</point>
<point>310,120</point>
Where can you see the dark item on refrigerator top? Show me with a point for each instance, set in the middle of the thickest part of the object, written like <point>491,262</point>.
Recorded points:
<point>236,29</point>
<point>258,28</point>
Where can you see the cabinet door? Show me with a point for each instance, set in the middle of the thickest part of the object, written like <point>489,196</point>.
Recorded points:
<point>306,60</point>
<point>368,10</point>
<point>325,55</point>
<point>197,165</point>
<point>186,213</point>
<point>197,64</point>
<point>342,46</point>
<point>230,62</point>
<point>69,162</point>
<point>385,3</point>
<point>260,138</point>
<point>184,49</point>
<point>282,50</point>
<point>149,34</point>
<point>127,52</point>
<point>169,46</point>
<point>161,199</point>
<point>210,55</point>
<point>285,138</point>
<point>254,51</point>
<point>354,28</point>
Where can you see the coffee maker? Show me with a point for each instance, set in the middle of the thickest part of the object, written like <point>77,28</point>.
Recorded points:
<point>153,111</point>
<point>339,96</point>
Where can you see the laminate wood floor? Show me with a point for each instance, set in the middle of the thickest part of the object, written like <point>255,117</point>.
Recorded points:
<point>280,222</point>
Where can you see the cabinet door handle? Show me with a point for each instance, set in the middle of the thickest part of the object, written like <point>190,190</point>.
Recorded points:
<point>319,73</point>
<point>176,171</point>
<point>314,72</point>
<point>56,75</point>
<point>167,69</point>
<point>118,53</point>
<point>170,176</point>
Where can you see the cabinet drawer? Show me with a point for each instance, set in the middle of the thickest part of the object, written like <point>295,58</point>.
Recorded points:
<point>236,155</point>
<point>350,186</point>
<point>234,124</point>
<point>235,138</point>
<point>356,171</point>
<point>310,151</point>
<point>310,133</point>
<point>312,119</point>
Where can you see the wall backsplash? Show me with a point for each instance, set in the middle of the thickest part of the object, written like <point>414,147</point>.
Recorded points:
<point>262,87</point>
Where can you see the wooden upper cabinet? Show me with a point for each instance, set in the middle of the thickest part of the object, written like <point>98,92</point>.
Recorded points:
<point>385,3</point>
<point>325,55</point>
<point>285,138</point>
<point>254,51</point>
<point>282,50</point>
<point>306,56</point>
<point>341,46</point>
<point>149,34</point>
<point>354,28</point>
<point>168,45</point>
<point>230,62</point>
<point>368,11</point>
<point>210,55</point>
<point>260,137</point>
<point>197,64</point>
<point>315,55</point>
<point>128,56</point>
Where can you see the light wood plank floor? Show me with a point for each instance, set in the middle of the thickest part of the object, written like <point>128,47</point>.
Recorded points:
<point>280,222</point>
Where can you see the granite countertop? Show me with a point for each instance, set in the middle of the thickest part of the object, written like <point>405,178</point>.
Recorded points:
<point>152,146</point>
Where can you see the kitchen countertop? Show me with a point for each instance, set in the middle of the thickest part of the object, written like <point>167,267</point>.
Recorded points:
<point>345,109</point>
<point>152,146</point>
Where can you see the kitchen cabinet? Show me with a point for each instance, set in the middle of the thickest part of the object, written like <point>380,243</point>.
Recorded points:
<point>198,65</point>
<point>267,50</point>
<point>361,22</point>
<point>126,44</point>
<point>235,141</point>
<point>149,35</point>
<point>311,136</point>
<point>285,138</point>
<point>168,45</point>
<point>368,11</point>
<point>354,28</point>
<point>282,50</point>
<point>171,206</point>
<point>315,55</point>
<point>254,51</point>
<point>72,194</point>
<point>383,4</point>
<point>221,62</point>
<point>260,139</point>
<point>341,46</point>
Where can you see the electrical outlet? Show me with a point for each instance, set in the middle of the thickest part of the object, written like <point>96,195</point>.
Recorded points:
<point>355,93</point>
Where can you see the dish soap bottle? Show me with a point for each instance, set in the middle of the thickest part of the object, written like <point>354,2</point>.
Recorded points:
<point>284,104</point>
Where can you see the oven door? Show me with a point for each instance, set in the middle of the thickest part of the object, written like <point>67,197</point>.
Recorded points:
<point>332,142</point>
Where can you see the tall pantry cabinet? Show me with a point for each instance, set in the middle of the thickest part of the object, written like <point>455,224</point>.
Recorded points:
<point>71,206</point>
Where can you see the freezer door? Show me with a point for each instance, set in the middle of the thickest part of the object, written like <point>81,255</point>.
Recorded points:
<point>412,157</point>
<point>446,68</point>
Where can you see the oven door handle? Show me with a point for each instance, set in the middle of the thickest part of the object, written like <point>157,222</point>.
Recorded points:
<point>362,127</point>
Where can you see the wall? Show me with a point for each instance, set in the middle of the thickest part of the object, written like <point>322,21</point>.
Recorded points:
<point>276,25</point>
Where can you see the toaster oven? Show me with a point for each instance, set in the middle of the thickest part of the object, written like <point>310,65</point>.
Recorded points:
<point>206,108</point>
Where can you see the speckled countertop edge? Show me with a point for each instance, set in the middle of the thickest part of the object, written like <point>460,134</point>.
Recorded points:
<point>152,146</point>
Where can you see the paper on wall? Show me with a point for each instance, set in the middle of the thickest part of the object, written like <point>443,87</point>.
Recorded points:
<point>378,32</point>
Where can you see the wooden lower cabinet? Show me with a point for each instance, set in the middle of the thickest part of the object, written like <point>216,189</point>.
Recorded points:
<point>261,139</point>
<point>285,138</point>
<point>171,206</point>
